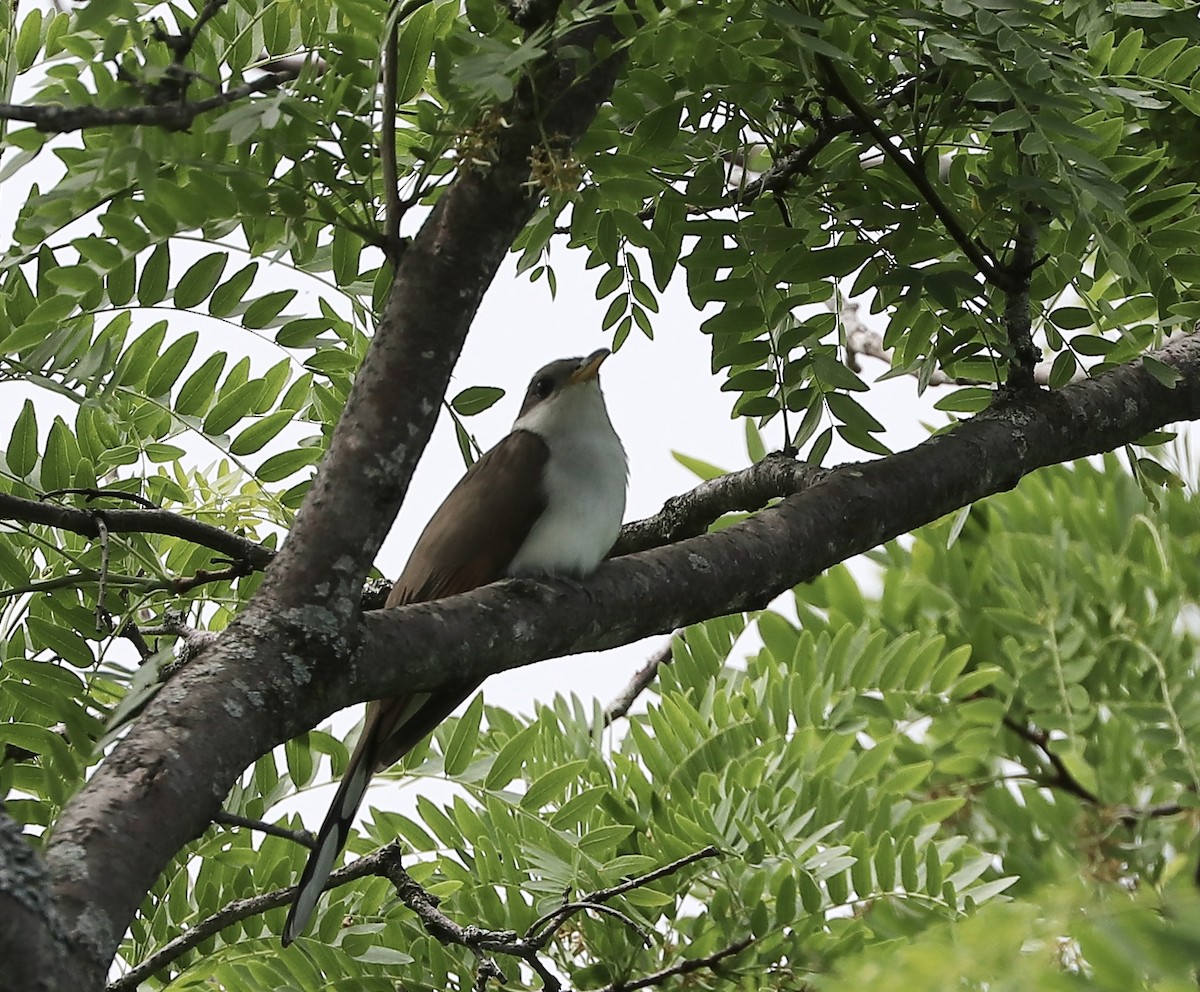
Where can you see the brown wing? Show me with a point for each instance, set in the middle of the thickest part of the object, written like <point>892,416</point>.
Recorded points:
<point>470,542</point>
<point>480,526</point>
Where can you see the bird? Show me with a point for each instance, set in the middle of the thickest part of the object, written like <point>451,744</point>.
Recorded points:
<point>547,500</point>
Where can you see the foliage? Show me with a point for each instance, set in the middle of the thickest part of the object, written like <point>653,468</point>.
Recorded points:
<point>858,773</point>
<point>1014,709</point>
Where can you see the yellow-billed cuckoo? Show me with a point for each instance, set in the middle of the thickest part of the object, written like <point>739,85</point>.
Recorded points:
<point>547,500</point>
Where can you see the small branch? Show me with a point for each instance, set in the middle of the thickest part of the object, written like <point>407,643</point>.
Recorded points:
<point>58,119</point>
<point>103,580</point>
<point>155,521</point>
<point>93,494</point>
<point>302,837</point>
<point>181,44</point>
<point>690,514</point>
<point>642,679</point>
<point>236,570</point>
<point>861,340</point>
<point>1063,780</point>
<point>134,634</point>
<point>242,909</point>
<point>543,928</point>
<point>979,257</point>
<point>685,967</point>
<point>1017,319</point>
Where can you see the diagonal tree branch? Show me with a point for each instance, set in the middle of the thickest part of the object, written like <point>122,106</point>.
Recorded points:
<point>997,275</point>
<point>742,567</point>
<point>288,646</point>
<point>684,967</point>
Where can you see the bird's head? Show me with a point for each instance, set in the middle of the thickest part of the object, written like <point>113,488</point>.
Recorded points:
<point>563,392</point>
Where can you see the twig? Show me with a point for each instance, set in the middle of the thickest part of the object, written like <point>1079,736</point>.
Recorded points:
<point>997,275</point>
<point>543,928</point>
<point>137,637</point>
<point>691,514</point>
<point>58,119</point>
<point>236,570</point>
<point>103,580</point>
<point>155,521</point>
<point>1065,781</point>
<point>302,837</point>
<point>642,679</point>
<point>242,909</point>
<point>685,967</point>
<point>92,494</point>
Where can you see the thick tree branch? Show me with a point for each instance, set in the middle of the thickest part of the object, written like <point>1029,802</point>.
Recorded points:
<point>1018,321</point>
<point>138,809</point>
<point>744,566</point>
<point>56,118</point>
<point>28,919</point>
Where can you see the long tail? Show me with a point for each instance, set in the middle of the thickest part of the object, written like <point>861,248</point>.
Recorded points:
<point>393,728</point>
<point>331,838</point>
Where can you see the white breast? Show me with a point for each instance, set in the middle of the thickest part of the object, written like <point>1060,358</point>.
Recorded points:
<point>585,485</point>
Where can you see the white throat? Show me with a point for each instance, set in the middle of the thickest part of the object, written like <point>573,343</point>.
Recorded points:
<point>584,481</point>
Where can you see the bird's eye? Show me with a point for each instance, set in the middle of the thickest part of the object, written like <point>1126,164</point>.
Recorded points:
<point>543,387</point>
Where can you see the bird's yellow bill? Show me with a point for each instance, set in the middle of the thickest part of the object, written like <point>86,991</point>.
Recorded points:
<point>590,368</point>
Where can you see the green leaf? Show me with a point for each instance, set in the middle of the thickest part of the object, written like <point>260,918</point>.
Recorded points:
<point>510,759</point>
<point>256,435</point>
<point>286,463</point>
<point>22,445</point>
<point>550,785</point>
<point>200,280</point>
<point>228,296</point>
<point>476,399</point>
<point>199,390</point>
<point>152,287</point>
<point>170,364</point>
<point>701,469</point>
<point>461,747</point>
<point>66,644</point>
<point>232,408</point>
<point>266,309</point>
<point>414,49</point>
<point>1164,373</point>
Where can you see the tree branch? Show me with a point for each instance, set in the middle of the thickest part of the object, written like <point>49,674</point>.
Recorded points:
<point>1063,780</point>
<point>304,838</point>
<point>375,863</point>
<point>58,119</point>
<point>742,567</point>
<point>642,679</point>
<point>156,521</point>
<point>685,967</point>
<point>998,276</point>
<point>544,928</point>
<point>691,514</point>
<point>1017,315</point>
<point>136,811</point>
